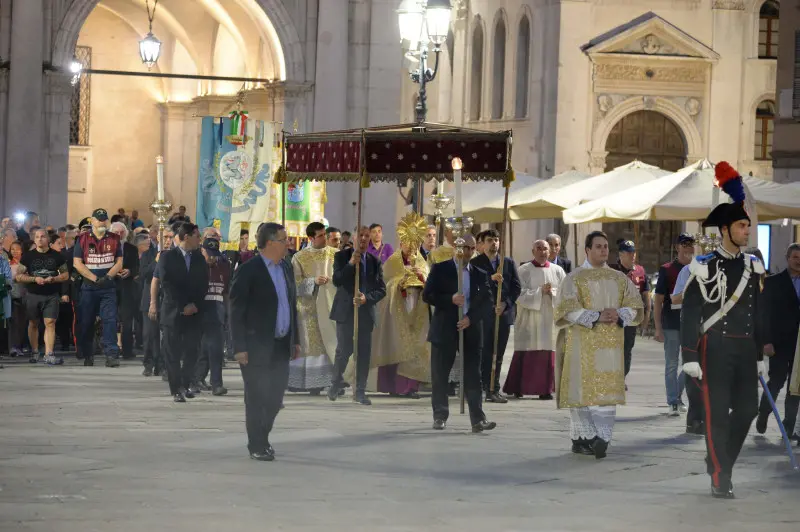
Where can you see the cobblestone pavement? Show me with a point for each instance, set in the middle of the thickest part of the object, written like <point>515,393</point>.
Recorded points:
<point>99,449</point>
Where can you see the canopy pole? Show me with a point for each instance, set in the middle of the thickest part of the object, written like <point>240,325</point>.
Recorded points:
<point>499,297</point>
<point>357,246</point>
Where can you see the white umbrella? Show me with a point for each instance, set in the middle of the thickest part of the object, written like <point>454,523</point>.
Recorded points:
<point>483,200</point>
<point>688,194</point>
<point>551,201</point>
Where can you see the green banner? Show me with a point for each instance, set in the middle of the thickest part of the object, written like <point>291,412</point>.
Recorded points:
<point>298,202</point>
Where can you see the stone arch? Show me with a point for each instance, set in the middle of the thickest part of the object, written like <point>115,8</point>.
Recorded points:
<point>67,35</point>
<point>694,142</point>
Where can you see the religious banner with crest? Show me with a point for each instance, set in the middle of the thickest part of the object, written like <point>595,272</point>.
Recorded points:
<point>235,183</point>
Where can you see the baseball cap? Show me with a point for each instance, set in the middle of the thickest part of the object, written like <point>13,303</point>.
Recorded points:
<point>685,238</point>
<point>100,214</point>
<point>211,245</point>
<point>141,238</point>
<point>626,245</point>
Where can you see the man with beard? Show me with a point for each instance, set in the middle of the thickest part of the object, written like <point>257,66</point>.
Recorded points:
<point>722,333</point>
<point>98,258</point>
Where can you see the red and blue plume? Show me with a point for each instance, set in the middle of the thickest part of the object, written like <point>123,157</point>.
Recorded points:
<point>728,179</point>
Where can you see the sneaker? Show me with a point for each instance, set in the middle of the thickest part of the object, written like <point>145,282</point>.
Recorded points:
<point>673,411</point>
<point>15,352</point>
<point>682,408</point>
<point>53,360</point>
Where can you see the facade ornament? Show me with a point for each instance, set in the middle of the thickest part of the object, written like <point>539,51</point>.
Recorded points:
<point>693,106</point>
<point>604,103</point>
<point>633,72</point>
<point>597,162</point>
<point>650,44</point>
<point>462,9</point>
<point>730,5</point>
<point>649,102</point>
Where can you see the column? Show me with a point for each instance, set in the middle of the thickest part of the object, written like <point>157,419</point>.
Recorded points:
<point>23,186</point>
<point>57,104</point>
<point>330,92</point>
<point>459,110</point>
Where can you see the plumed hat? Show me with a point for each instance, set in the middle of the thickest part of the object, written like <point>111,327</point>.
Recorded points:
<point>725,214</point>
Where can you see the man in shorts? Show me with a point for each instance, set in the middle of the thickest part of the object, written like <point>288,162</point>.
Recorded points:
<point>43,270</point>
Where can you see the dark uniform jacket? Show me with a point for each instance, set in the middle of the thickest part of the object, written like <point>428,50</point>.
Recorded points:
<point>743,321</point>
<point>181,287</point>
<point>344,279</point>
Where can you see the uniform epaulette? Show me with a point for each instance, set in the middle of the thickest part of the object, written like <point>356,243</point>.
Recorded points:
<point>756,264</point>
<point>699,266</point>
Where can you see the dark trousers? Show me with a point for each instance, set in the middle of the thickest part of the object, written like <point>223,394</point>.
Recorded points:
<point>730,399</point>
<point>264,384</point>
<point>138,329</point>
<point>19,324</point>
<point>211,354</point>
<point>182,343</point>
<point>152,343</point>
<point>630,340</point>
<point>344,348</point>
<point>101,303</point>
<point>780,368</point>
<point>126,323</point>
<point>65,325</point>
<point>694,393</point>
<point>488,350</point>
<point>442,357</point>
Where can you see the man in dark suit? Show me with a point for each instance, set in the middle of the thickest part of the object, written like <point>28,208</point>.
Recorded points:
<point>153,363</point>
<point>183,277</point>
<point>371,290</point>
<point>441,292</point>
<point>782,302</point>
<point>555,249</point>
<point>263,320</point>
<point>487,264</point>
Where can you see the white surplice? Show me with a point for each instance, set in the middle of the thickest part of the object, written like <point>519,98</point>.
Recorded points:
<point>534,329</point>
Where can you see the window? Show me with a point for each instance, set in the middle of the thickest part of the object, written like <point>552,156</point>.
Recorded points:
<point>765,123</point>
<point>523,63</point>
<point>768,30</point>
<point>80,101</point>
<point>476,85</point>
<point>499,69</point>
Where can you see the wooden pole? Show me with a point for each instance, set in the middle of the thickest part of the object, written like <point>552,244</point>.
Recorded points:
<point>357,246</point>
<point>499,298</point>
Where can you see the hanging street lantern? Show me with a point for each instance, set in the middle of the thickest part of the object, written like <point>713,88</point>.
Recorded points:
<point>150,46</point>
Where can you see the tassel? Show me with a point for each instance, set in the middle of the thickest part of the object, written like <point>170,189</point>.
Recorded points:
<point>280,176</point>
<point>510,177</point>
<point>364,179</point>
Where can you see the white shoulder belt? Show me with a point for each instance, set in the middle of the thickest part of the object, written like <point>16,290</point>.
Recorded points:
<point>714,289</point>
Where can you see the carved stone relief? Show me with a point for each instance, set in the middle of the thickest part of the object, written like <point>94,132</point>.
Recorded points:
<point>649,102</point>
<point>692,107</point>
<point>689,74</point>
<point>604,103</point>
<point>650,44</point>
<point>732,5</point>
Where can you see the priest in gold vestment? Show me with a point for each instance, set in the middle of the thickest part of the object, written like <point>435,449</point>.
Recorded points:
<point>313,274</point>
<point>593,306</point>
<point>400,353</point>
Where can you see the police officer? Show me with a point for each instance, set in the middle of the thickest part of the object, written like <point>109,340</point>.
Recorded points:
<point>98,258</point>
<point>721,334</point>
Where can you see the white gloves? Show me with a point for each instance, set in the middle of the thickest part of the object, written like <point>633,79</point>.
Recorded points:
<point>762,369</point>
<point>692,369</point>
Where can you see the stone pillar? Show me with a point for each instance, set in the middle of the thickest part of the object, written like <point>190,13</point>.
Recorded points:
<point>330,92</point>
<point>180,148</point>
<point>23,187</point>
<point>57,104</point>
<point>726,81</point>
<point>459,111</point>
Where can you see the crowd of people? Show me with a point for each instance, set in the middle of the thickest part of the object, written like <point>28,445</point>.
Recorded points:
<point>424,315</point>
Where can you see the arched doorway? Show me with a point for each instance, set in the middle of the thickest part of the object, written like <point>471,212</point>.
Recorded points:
<point>652,138</point>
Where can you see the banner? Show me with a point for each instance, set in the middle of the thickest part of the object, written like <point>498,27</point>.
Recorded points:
<point>237,163</point>
<point>305,203</point>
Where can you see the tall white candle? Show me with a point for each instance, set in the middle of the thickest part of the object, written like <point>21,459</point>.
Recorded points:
<point>160,174</point>
<point>457,165</point>
<point>440,187</point>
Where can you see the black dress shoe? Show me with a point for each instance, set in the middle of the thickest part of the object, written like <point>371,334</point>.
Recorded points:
<point>696,427</point>
<point>341,392</point>
<point>439,424</point>
<point>333,393</point>
<point>270,449</point>
<point>88,361</point>
<point>362,399</point>
<point>581,446</point>
<point>219,390</point>
<point>314,392</point>
<point>724,491</point>
<point>484,425</point>
<point>188,393</point>
<point>164,376</point>
<point>157,372</point>
<point>262,456</point>
<point>495,398</point>
<point>412,395</point>
<point>148,372</point>
<point>202,385</point>
<point>600,447</point>
<point>179,398</point>
<point>112,362</point>
<point>546,397</point>
<point>761,423</point>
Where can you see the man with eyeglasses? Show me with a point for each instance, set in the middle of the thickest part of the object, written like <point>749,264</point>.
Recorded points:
<point>263,311</point>
<point>441,291</point>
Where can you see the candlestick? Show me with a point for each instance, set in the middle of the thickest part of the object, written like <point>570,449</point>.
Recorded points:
<point>160,174</point>
<point>440,188</point>
<point>457,165</point>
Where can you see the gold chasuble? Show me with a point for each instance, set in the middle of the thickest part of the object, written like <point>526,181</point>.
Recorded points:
<point>316,330</point>
<point>441,254</point>
<point>400,336</point>
<point>590,368</point>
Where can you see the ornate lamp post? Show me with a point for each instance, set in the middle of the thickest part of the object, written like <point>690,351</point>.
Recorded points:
<point>424,22</point>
